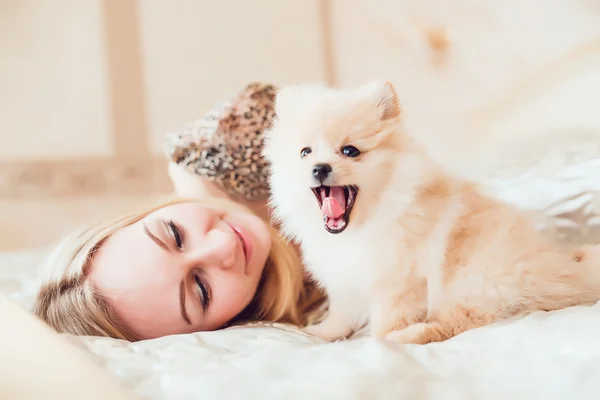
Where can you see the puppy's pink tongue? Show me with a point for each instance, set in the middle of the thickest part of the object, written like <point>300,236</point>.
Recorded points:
<point>334,206</point>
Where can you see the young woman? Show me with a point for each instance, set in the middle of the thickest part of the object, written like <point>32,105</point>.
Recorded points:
<point>195,263</point>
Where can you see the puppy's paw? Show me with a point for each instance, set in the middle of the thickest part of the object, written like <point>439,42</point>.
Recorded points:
<point>389,314</point>
<point>380,332</point>
<point>412,334</point>
<point>328,331</point>
<point>379,328</point>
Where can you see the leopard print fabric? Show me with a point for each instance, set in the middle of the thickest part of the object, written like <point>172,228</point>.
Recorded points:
<point>225,146</point>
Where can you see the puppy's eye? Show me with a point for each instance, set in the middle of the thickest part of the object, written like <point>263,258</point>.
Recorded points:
<point>305,151</point>
<point>350,151</point>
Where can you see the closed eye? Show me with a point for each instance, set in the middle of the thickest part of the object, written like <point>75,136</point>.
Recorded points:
<point>176,233</point>
<point>203,291</point>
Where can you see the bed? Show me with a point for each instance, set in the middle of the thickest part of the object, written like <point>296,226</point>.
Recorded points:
<point>553,355</point>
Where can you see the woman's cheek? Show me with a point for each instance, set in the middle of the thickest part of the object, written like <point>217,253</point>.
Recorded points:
<point>236,296</point>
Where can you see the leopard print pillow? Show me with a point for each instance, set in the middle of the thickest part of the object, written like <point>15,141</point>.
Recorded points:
<point>225,145</point>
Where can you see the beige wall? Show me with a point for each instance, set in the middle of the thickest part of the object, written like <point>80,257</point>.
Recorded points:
<point>89,88</point>
<point>54,100</point>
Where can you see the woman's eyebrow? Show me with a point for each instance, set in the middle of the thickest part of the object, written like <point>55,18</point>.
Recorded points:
<point>154,238</point>
<point>184,313</point>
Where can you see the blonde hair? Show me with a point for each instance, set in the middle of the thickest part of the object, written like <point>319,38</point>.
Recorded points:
<point>69,303</point>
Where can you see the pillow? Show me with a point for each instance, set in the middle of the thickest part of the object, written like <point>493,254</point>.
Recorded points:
<point>225,145</point>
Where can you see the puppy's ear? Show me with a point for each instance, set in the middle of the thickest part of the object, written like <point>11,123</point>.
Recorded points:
<point>388,102</point>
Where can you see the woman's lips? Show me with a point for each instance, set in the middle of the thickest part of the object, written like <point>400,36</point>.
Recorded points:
<point>246,243</point>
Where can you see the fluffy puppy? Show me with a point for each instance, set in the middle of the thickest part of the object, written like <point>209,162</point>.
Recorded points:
<point>393,238</point>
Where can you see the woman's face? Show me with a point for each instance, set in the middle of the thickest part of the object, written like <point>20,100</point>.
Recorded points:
<point>183,268</point>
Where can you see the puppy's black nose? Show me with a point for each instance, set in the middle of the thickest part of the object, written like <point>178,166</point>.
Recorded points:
<point>321,171</point>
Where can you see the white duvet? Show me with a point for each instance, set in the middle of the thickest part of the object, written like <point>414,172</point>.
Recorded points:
<point>542,356</point>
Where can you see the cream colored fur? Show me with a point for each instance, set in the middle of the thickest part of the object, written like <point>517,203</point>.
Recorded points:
<point>425,255</point>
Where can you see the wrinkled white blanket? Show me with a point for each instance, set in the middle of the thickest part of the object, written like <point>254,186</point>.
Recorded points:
<point>543,356</point>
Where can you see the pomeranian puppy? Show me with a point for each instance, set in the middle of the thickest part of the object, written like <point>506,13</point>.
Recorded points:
<point>394,240</point>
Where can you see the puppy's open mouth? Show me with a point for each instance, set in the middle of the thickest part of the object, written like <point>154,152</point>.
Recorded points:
<point>336,204</point>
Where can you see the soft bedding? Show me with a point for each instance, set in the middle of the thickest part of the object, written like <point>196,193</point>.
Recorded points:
<point>552,355</point>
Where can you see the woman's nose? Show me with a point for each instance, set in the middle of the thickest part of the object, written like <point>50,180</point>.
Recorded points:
<point>216,249</point>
